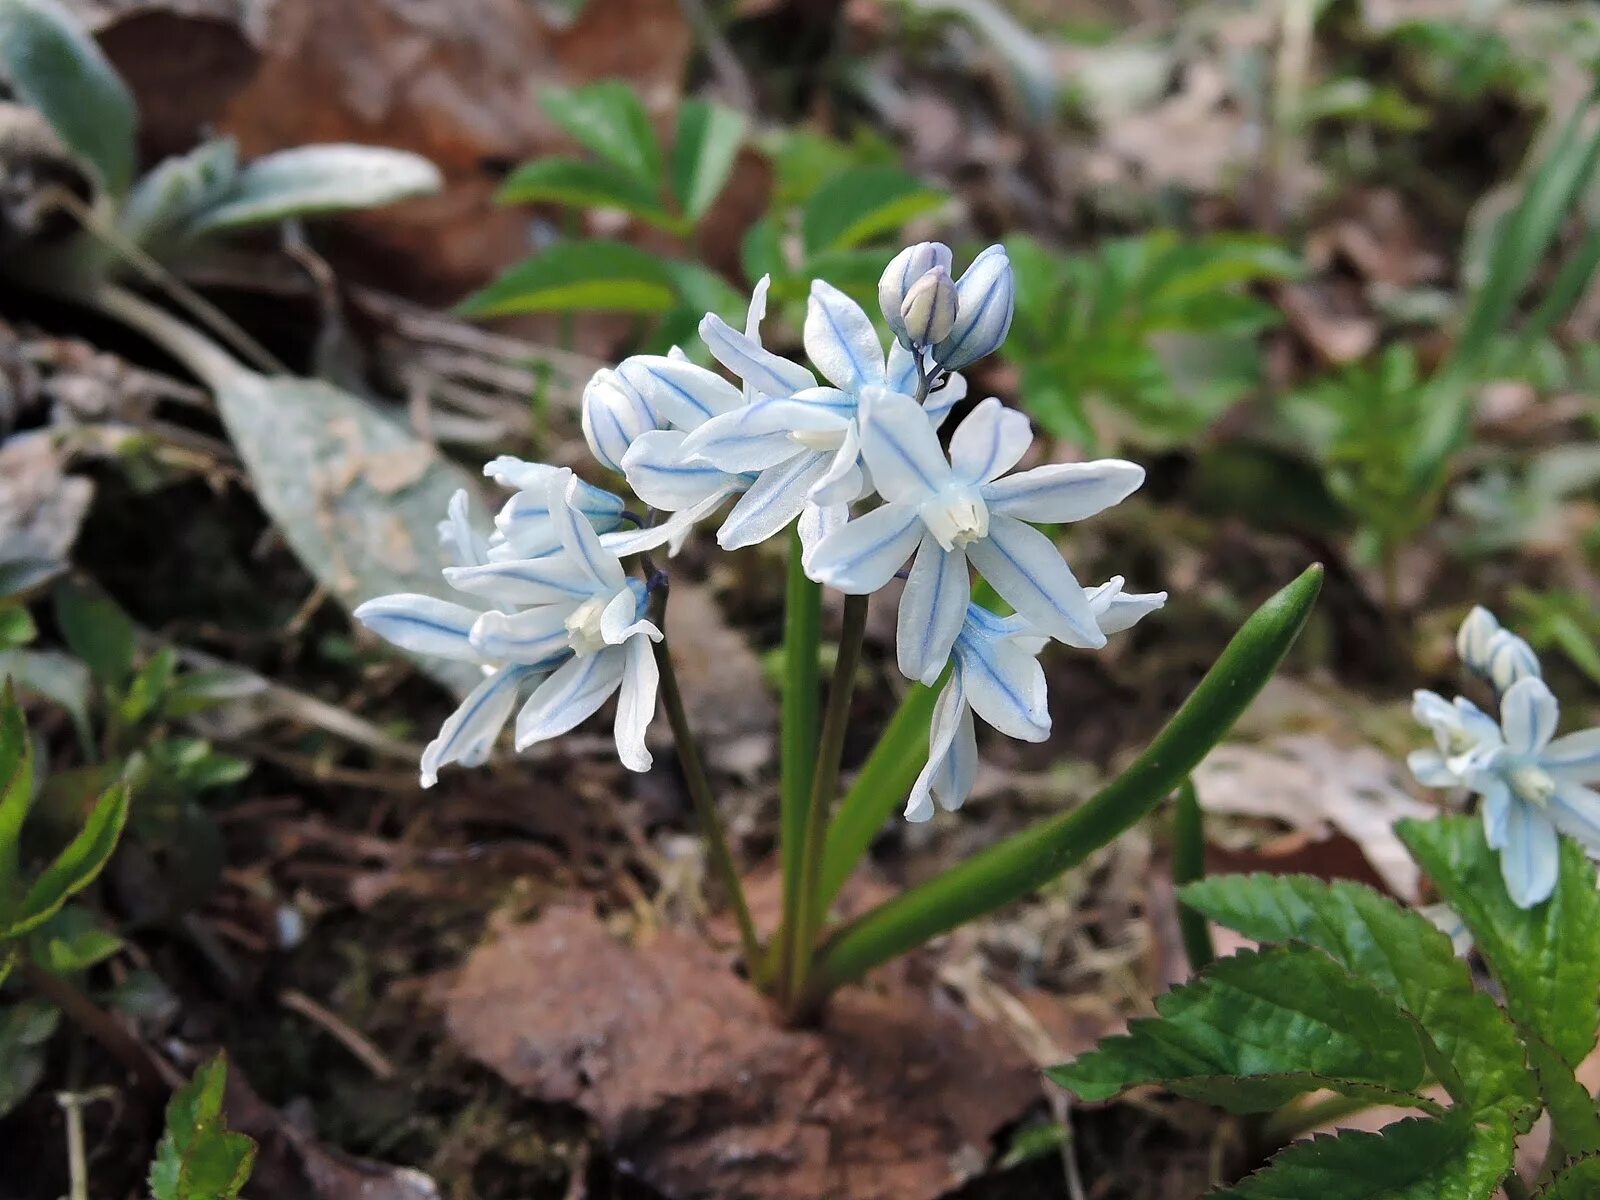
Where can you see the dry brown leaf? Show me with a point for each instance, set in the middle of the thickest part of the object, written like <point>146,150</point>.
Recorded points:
<point>700,1092</point>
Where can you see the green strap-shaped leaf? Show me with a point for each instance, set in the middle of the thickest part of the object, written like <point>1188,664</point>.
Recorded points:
<point>54,66</point>
<point>317,179</point>
<point>76,866</point>
<point>1547,958</point>
<point>703,154</point>
<point>1254,1031</point>
<point>97,631</point>
<point>16,794</point>
<point>168,198</point>
<point>199,1158</point>
<point>1402,955</point>
<point>583,184</point>
<point>1447,1159</point>
<point>1580,1181</point>
<point>1015,867</point>
<point>864,203</point>
<point>609,119</point>
<point>573,276</point>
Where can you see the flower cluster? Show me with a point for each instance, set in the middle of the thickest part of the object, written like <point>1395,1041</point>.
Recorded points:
<point>1532,783</point>
<point>853,456</point>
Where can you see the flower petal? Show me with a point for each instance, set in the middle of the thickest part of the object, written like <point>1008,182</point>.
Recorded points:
<point>948,710</point>
<point>422,624</point>
<point>544,580</point>
<point>580,541</point>
<point>1064,491</point>
<point>614,413</point>
<point>1006,686</point>
<point>840,340</point>
<point>1496,806</point>
<point>952,783</point>
<point>817,521</point>
<point>862,555</point>
<point>757,311</point>
<point>774,499</point>
<point>759,436</point>
<point>684,394</point>
<point>1528,714</point>
<point>1510,659</point>
<point>519,474</point>
<point>1472,639</point>
<point>1531,858</point>
<point>986,297</point>
<point>989,442</point>
<point>900,447</point>
<point>623,618</point>
<point>932,608</point>
<point>1430,770</point>
<point>1028,571</point>
<point>665,476</point>
<point>903,271</point>
<point>479,719</point>
<point>760,369</point>
<point>570,696</point>
<point>532,636</point>
<point>1116,610</point>
<point>1574,758</point>
<point>463,544</point>
<point>1575,811</point>
<point>636,704</point>
<point>841,483</point>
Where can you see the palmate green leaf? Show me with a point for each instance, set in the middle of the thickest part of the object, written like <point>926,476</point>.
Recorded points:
<point>1400,954</point>
<point>1443,1159</point>
<point>864,203</point>
<point>579,276</point>
<point>97,631</point>
<point>55,67</point>
<point>199,1158</point>
<point>1547,958</point>
<point>610,120</point>
<point>1580,1181</point>
<point>1257,1029</point>
<point>703,153</point>
<point>75,867</point>
<point>317,179</point>
<point>583,184</point>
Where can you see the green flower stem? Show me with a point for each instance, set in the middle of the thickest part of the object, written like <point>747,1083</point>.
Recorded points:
<point>836,720</point>
<point>1012,869</point>
<point>802,638</point>
<point>1189,866</point>
<point>705,804</point>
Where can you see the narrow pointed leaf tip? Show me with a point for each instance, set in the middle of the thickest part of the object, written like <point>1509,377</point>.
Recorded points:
<point>1017,866</point>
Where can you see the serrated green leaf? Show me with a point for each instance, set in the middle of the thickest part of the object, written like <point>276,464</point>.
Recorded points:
<point>16,627</point>
<point>1571,1107</point>
<point>703,153</point>
<point>578,276</point>
<point>76,866</point>
<point>864,203</point>
<point>1547,958</point>
<point>97,631</point>
<point>584,184</point>
<point>1402,955</point>
<point>199,1158</point>
<point>609,119</point>
<point>72,940</point>
<point>317,179</point>
<point>55,67</point>
<point>1580,1181</point>
<point>16,794</point>
<point>1448,1159</point>
<point>1255,1030</point>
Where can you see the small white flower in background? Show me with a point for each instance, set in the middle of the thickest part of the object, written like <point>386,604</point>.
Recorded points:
<point>601,623</point>
<point>997,676</point>
<point>427,625</point>
<point>1532,784</point>
<point>950,511</point>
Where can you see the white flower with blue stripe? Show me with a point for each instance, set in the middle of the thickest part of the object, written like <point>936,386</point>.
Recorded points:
<point>961,510</point>
<point>1494,653</point>
<point>996,674</point>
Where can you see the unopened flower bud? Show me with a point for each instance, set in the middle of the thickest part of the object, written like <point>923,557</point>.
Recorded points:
<point>1472,639</point>
<point>901,275</point>
<point>615,412</point>
<point>985,299</point>
<point>929,310</point>
<point>1509,660</point>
